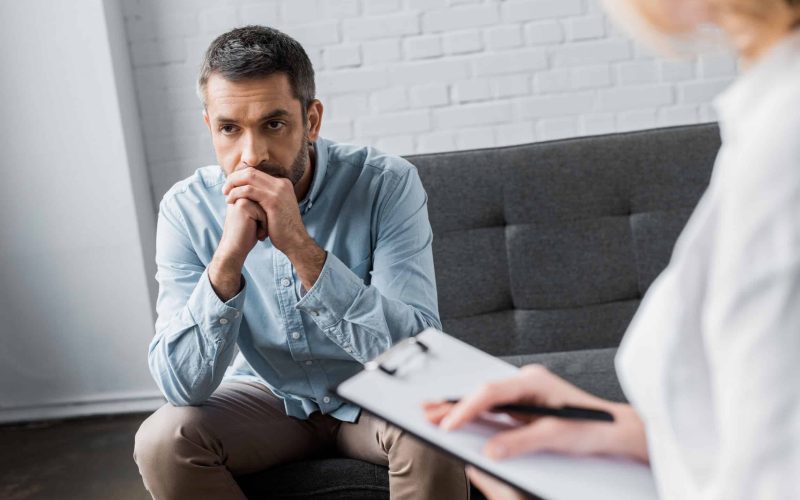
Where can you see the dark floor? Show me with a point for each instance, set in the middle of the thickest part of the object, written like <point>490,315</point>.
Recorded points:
<point>88,459</point>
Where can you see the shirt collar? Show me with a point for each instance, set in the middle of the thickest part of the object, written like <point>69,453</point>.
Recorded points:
<point>320,167</point>
<point>738,100</point>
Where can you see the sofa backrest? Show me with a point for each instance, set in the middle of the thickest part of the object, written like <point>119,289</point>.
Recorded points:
<point>549,247</point>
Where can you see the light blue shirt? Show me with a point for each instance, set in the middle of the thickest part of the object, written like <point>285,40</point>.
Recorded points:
<point>368,210</point>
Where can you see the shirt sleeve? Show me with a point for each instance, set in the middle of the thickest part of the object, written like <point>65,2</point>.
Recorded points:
<point>195,331</point>
<point>400,300</point>
<point>752,324</point>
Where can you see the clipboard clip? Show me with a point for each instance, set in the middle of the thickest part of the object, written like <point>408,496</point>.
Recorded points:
<point>399,354</point>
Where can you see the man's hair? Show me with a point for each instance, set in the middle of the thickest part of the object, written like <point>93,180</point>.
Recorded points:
<point>252,52</point>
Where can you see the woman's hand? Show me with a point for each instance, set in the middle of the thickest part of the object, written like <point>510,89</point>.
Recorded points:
<point>536,385</point>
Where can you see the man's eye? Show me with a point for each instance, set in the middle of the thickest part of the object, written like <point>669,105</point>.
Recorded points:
<point>227,129</point>
<point>275,125</point>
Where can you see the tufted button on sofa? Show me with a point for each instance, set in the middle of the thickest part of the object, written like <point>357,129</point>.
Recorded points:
<point>543,252</point>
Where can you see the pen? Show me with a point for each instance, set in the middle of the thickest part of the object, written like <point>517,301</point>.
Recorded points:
<point>570,412</point>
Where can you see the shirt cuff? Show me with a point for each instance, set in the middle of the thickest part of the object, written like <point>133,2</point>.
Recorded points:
<point>215,318</point>
<point>332,295</point>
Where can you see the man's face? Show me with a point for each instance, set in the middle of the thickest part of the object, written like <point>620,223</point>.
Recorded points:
<point>258,123</point>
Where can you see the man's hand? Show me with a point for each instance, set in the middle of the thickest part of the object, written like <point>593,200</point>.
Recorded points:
<point>245,224</point>
<point>277,199</point>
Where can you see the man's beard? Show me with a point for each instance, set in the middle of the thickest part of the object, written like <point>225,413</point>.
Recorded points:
<point>296,170</point>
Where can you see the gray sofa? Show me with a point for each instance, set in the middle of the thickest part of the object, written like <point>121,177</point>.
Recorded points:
<point>543,252</point>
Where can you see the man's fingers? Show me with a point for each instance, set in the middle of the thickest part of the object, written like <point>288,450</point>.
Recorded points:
<point>262,222</point>
<point>491,487</point>
<point>263,231</point>
<point>257,214</point>
<point>247,192</point>
<point>253,177</point>
<point>511,390</point>
<point>252,209</point>
<point>243,177</point>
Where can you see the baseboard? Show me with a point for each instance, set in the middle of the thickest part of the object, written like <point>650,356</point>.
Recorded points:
<point>138,403</point>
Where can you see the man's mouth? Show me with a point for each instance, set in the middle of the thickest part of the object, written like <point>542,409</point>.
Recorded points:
<point>273,170</point>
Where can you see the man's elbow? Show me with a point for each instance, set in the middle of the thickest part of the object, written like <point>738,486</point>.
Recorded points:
<point>181,396</point>
<point>177,392</point>
<point>429,321</point>
<point>191,400</point>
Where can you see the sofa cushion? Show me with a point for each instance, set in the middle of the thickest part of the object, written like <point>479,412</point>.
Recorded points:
<point>549,247</point>
<point>329,479</point>
<point>323,479</point>
<point>504,332</point>
<point>468,286</point>
<point>572,264</point>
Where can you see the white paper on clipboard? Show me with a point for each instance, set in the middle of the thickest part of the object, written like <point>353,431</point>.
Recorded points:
<point>447,368</point>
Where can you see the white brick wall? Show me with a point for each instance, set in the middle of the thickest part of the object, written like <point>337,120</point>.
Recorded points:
<point>413,76</point>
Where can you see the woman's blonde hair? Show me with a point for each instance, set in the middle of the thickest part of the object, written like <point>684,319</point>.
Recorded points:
<point>666,24</point>
<point>654,22</point>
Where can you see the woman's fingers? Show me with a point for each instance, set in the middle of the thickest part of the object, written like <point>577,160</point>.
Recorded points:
<point>539,436</point>
<point>491,487</point>
<point>435,411</point>
<point>512,390</point>
<point>551,434</point>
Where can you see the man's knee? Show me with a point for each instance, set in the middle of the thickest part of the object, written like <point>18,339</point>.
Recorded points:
<point>419,471</point>
<point>398,441</point>
<point>163,435</point>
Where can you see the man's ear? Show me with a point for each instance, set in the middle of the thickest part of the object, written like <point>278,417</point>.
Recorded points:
<point>314,119</point>
<point>205,119</point>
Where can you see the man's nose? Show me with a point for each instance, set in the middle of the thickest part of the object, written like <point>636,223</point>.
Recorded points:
<point>254,150</point>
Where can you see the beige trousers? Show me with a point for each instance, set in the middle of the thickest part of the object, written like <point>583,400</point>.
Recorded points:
<point>194,452</point>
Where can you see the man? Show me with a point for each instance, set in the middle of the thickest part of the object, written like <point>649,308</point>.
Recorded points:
<point>312,257</point>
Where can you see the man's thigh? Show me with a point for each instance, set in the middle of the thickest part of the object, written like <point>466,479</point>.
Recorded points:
<point>246,427</point>
<point>416,471</point>
<point>364,440</point>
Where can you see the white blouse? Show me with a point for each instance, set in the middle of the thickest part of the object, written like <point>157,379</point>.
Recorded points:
<point>712,358</point>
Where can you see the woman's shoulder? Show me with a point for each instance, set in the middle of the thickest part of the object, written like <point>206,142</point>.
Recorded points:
<point>777,112</point>
<point>769,142</point>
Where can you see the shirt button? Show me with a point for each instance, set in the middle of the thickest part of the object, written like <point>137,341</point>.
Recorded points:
<point>309,362</point>
<point>223,321</point>
<point>295,335</point>
<point>349,349</point>
<point>314,312</point>
<point>286,281</point>
<point>326,400</point>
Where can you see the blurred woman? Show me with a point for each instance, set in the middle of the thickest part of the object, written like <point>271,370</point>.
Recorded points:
<point>711,361</point>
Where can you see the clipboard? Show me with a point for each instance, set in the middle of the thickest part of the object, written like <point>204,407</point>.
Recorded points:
<point>435,366</point>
